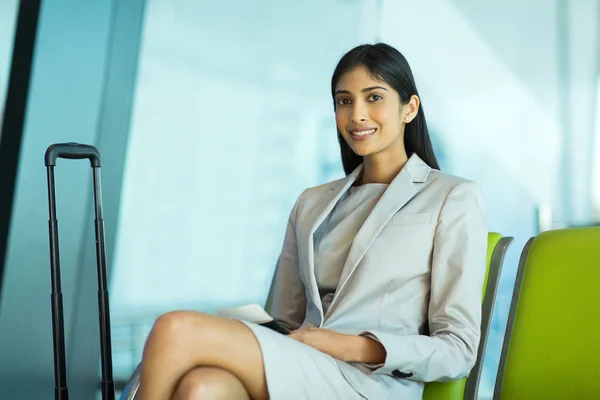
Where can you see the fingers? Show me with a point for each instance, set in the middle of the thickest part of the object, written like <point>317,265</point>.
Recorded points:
<point>297,335</point>
<point>307,328</point>
<point>302,334</point>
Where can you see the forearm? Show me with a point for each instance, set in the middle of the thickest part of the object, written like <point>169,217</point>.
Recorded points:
<point>362,349</point>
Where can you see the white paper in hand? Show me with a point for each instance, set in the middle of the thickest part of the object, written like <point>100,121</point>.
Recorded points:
<point>256,314</point>
<point>250,312</point>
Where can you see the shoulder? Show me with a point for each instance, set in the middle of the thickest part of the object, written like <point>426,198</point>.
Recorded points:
<point>312,195</point>
<point>447,180</point>
<point>454,192</point>
<point>447,183</point>
<point>318,191</point>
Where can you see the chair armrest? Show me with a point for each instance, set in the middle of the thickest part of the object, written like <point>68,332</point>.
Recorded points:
<point>133,384</point>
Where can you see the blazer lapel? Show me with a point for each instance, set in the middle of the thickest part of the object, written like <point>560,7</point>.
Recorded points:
<point>400,191</point>
<point>314,219</point>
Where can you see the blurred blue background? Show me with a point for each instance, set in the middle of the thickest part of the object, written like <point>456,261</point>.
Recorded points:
<point>213,116</point>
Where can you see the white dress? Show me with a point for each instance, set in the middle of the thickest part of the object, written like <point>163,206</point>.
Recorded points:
<point>297,371</point>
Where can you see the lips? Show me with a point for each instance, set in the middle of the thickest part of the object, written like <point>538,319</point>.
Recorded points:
<point>362,133</point>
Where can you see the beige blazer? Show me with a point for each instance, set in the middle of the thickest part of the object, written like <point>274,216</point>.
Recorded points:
<point>413,277</point>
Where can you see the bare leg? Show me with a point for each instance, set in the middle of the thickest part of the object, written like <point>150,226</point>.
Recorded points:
<point>183,340</point>
<point>210,383</point>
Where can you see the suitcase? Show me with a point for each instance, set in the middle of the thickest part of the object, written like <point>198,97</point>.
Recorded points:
<point>76,151</point>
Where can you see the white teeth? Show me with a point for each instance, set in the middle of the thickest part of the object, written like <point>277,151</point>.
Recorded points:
<point>363,133</point>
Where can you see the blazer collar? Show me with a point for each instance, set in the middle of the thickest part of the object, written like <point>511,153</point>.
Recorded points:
<point>416,170</point>
<point>397,194</point>
<point>314,219</point>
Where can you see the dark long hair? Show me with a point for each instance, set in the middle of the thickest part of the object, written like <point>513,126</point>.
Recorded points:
<point>387,64</point>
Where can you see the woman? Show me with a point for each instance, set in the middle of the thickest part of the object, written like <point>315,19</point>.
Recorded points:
<point>380,274</point>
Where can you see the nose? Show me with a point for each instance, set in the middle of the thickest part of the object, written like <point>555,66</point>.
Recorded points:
<point>359,112</point>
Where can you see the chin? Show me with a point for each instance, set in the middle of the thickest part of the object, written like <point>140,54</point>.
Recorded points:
<point>362,151</point>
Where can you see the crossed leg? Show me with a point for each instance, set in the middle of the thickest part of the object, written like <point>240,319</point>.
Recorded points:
<point>189,353</point>
<point>204,383</point>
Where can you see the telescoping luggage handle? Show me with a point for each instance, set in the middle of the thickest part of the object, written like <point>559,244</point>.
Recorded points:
<point>76,151</point>
<point>72,151</point>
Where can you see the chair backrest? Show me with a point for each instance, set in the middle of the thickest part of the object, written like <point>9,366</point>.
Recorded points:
<point>551,347</point>
<point>467,388</point>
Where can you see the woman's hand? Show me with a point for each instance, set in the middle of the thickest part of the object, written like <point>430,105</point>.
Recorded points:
<point>325,340</point>
<point>348,348</point>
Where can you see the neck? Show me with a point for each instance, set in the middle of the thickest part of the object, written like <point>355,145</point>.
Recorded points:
<point>382,168</point>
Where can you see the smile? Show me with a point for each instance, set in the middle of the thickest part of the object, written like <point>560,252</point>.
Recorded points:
<point>364,134</point>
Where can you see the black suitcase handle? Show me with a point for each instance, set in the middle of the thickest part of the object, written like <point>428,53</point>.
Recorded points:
<point>76,151</point>
<point>72,151</point>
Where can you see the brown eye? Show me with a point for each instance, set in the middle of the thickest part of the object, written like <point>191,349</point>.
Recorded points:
<point>343,101</point>
<point>376,97</point>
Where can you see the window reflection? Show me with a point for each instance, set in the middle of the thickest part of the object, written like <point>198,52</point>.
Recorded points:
<point>8,17</point>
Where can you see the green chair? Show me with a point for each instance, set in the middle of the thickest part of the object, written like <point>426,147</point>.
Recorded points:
<point>467,388</point>
<point>551,347</point>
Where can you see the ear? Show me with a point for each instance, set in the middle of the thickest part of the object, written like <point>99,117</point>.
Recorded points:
<point>410,109</point>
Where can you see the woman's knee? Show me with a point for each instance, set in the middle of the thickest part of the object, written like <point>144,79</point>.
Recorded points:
<point>210,383</point>
<point>173,324</point>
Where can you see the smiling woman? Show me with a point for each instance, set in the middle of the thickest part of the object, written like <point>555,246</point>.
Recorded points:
<point>394,234</point>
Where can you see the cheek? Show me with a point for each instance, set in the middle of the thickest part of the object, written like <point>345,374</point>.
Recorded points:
<point>390,123</point>
<point>341,119</point>
<point>385,116</point>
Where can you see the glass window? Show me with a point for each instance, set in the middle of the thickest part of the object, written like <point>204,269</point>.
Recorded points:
<point>8,19</point>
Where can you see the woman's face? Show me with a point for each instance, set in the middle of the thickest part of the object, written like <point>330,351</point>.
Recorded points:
<point>369,114</point>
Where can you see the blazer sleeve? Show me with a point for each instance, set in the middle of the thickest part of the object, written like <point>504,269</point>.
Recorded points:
<point>289,298</point>
<point>458,267</point>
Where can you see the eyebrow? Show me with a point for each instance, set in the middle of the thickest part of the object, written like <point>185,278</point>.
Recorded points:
<point>368,89</point>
